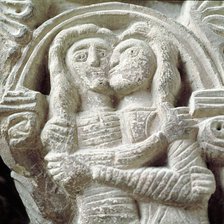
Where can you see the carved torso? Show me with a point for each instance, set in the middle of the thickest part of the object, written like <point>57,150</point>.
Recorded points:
<point>136,124</point>
<point>98,203</point>
<point>104,131</point>
<point>98,130</point>
<point>60,85</point>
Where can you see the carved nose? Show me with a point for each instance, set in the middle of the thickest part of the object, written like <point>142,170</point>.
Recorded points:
<point>93,58</point>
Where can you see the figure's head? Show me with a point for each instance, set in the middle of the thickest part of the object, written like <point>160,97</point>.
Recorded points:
<point>89,60</point>
<point>82,54</point>
<point>133,64</point>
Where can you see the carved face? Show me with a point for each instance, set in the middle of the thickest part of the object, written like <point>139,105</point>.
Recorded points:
<point>88,62</point>
<point>133,64</point>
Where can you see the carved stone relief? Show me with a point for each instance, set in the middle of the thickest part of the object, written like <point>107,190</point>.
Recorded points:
<point>113,113</point>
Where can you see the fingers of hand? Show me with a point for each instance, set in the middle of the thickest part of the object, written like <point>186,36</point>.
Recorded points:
<point>203,183</point>
<point>62,122</point>
<point>202,177</point>
<point>204,188</point>
<point>189,131</point>
<point>96,171</point>
<point>59,176</point>
<point>58,129</point>
<point>54,165</point>
<point>181,110</point>
<point>57,133</point>
<point>55,171</point>
<point>55,157</point>
<point>188,123</point>
<point>200,170</point>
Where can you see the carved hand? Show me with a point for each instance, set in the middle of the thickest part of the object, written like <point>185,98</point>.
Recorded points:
<point>59,135</point>
<point>202,183</point>
<point>179,124</point>
<point>173,187</point>
<point>68,172</point>
<point>194,187</point>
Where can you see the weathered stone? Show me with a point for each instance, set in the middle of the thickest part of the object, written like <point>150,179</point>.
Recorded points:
<point>113,113</point>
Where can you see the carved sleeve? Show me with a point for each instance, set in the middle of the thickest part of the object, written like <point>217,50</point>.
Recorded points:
<point>186,181</point>
<point>139,153</point>
<point>128,156</point>
<point>153,183</point>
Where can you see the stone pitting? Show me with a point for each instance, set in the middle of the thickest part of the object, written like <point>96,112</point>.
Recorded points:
<point>92,124</point>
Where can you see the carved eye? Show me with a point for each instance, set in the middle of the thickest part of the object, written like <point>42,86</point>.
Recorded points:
<point>102,53</point>
<point>133,52</point>
<point>81,56</point>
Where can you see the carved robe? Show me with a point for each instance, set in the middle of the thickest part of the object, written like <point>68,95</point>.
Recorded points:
<point>180,157</point>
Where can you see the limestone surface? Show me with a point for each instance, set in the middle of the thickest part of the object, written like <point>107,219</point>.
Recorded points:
<point>113,112</point>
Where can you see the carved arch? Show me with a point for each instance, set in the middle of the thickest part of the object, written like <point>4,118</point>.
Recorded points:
<point>198,66</point>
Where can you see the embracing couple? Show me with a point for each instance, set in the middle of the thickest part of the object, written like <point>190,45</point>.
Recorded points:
<point>115,141</point>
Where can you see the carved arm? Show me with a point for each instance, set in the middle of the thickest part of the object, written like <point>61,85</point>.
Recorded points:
<point>184,182</point>
<point>160,184</point>
<point>177,125</point>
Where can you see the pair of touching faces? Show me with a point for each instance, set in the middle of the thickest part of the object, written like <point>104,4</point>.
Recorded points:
<point>126,67</point>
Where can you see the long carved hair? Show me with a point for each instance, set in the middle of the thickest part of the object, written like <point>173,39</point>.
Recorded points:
<point>64,95</point>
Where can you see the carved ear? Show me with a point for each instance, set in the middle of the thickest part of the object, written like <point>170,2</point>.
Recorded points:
<point>206,20</point>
